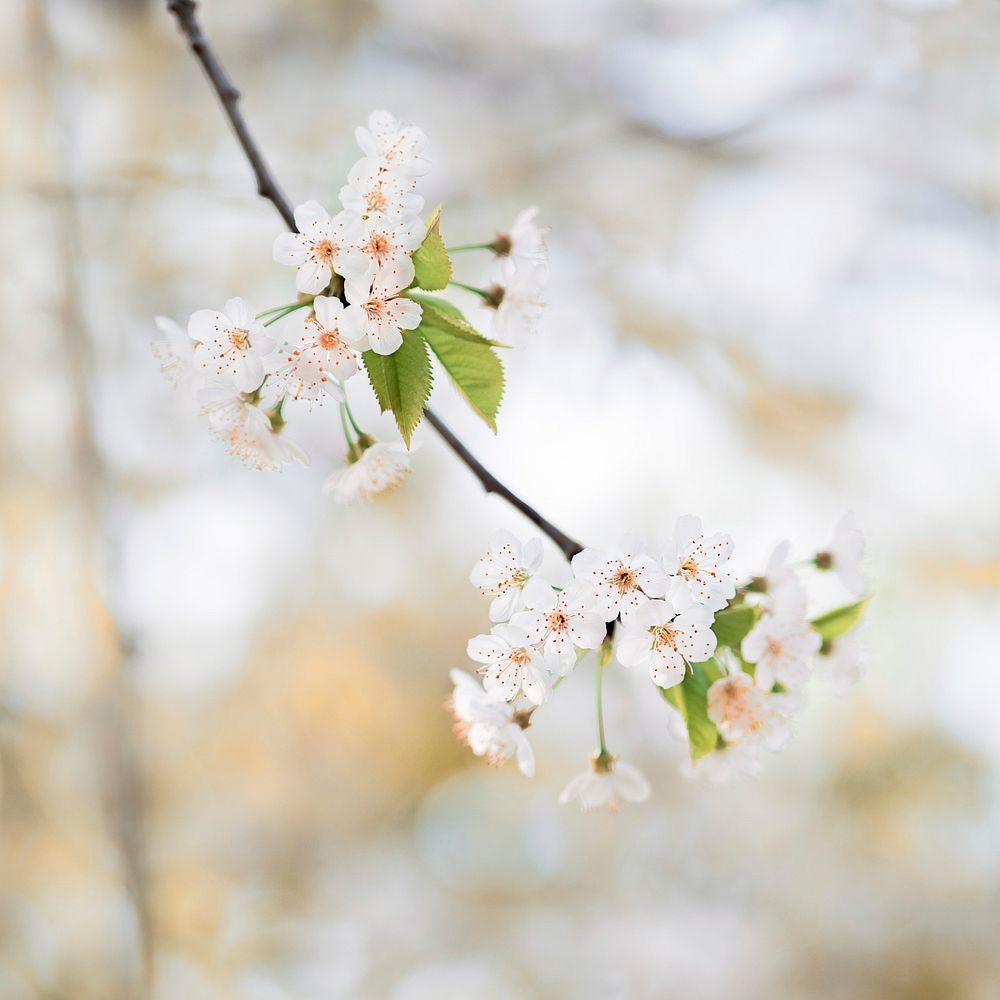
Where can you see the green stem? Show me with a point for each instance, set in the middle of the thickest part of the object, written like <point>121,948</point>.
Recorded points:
<point>267,312</point>
<point>350,416</point>
<point>603,750</point>
<point>481,292</point>
<point>286,310</point>
<point>469,246</point>
<point>347,430</point>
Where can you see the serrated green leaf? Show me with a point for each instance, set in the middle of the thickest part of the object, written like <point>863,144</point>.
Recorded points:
<point>835,623</point>
<point>431,263</point>
<point>445,314</point>
<point>731,625</point>
<point>402,381</point>
<point>690,698</point>
<point>464,354</point>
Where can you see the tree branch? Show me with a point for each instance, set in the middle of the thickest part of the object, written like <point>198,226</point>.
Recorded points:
<point>187,20</point>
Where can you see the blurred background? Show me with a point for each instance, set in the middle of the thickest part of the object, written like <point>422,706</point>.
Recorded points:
<point>775,295</point>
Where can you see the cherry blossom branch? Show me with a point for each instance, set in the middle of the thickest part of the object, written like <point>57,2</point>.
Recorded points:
<point>267,187</point>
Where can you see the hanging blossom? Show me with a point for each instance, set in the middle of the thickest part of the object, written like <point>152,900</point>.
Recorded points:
<point>504,571</point>
<point>782,649</point>
<point>841,662</point>
<point>490,728</point>
<point>605,784</point>
<point>784,592</point>
<point>373,469</point>
<point>517,303</point>
<point>247,431</point>
<point>844,554</point>
<point>174,349</point>
<point>745,714</point>
<point>522,248</point>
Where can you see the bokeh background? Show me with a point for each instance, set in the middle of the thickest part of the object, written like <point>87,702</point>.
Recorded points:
<point>775,296</point>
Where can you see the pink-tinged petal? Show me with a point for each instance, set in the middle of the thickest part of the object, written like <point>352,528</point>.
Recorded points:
<point>385,339</point>
<point>697,644</point>
<point>486,648</point>
<point>328,311</point>
<point>716,550</point>
<point>311,215</point>
<point>354,327</point>
<point>575,788</point>
<point>409,235</point>
<point>500,682</point>
<point>560,646</point>
<point>588,630</point>
<point>342,365</point>
<point>312,277</point>
<point>405,313</point>
<point>290,248</point>
<point>248,372</point>
<point>630,783</point>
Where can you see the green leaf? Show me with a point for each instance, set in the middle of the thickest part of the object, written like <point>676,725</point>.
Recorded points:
<point>431,263</point>
<point>835,623</point>
<point>690,698</point>
<point>732,624</point>
<point>465,355</point>
<point>402,381</point>
<point>444,314</point>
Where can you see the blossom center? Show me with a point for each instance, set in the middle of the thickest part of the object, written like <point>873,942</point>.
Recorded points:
<point>324,250</point>
<point>239,338</point>
<point>328,340</point>
<point>664,635</point>
<point>520,578</point>
<point>374,309</point>
<point>376,200</point>
<point>557,620</point>
<point>377,247</point>
<point>690,567</point>
<point>519,656</point>
<point>624,580</point>
<point>774,647</point>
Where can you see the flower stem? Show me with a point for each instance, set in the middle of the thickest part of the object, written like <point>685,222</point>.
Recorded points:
<point>348,436</point>
<point>599,685</point>
<point>350,416</point>
<point>470,246</point>
<point>287,306</point>
<point>286,310</point>
<point>481,292</point>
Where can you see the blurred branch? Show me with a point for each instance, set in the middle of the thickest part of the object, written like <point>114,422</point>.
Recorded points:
<point>185,11</point>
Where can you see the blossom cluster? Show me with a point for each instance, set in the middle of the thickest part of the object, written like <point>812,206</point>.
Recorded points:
<point>731,659</point>
<point>360,276</point>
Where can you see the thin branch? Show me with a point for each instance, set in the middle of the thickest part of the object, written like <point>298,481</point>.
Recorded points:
<point>185,13</point>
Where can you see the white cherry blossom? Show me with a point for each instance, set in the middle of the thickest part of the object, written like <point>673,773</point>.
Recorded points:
<point>383,250</point>
<point>391,145</point>
<point>231,344</point>
<point>487,726</point>
<point>742,711</point>
<point>523,246</point>
<point>318,249</point>
<point>696,563</point>
<point>318,358</point>
<point>664,641</point>
<point>518,304</point>
<point>558,622</point>
<point>841,663</point>
<point>377,315</point>
<point>381,468</point>
<point>510,664</point>
<point>624,579</point>
<point>173,348</point>
<point>503,572</point>
<point>605,784</point>
<point>372,192</point>
<point>246,431</point>
<point>785,594</point>
<point>845,553</point>
<point>782,650</point>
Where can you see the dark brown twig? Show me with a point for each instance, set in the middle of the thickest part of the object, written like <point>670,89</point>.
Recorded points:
<point>185,13</point>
